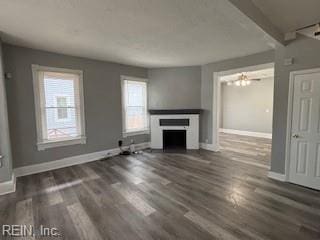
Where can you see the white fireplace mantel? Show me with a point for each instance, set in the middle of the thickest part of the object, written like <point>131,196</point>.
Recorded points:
<point>192,131</point>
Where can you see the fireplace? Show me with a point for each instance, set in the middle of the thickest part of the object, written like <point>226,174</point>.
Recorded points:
<point>174,140</point>
<point>174,129</point>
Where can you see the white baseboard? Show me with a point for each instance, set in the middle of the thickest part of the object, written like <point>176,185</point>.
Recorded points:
<point>209,147</point>
<point>247,133</point>
<point>277,176</point>
<point>70,161</point>
<point>141,146</point>
<point>9,186</point>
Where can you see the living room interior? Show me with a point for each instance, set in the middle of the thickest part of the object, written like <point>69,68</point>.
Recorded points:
<point>139,119</point>
<point>245,114</point>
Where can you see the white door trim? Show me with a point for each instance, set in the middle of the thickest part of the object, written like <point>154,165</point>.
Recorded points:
<point>216,91</point>
<point>216,111</point>
<point>290,115</point>
<point>277,176</point>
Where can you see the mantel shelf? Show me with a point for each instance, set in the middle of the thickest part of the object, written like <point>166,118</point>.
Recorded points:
<point>173,111</point>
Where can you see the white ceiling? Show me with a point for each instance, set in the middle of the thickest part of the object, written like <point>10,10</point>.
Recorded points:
<point>289,15</point>
<point>149,33</point>
<point>260,74</point>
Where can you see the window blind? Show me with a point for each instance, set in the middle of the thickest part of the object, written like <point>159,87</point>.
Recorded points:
<point>135,106</point>
<point>60,105</point>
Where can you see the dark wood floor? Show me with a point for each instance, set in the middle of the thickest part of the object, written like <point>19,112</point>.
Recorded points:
<point>251,150</point>
<point>199,195</point>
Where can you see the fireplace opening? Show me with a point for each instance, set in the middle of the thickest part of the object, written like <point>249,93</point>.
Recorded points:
<point>174,140</point>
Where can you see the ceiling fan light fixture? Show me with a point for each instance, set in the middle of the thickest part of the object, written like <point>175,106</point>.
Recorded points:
<point>317,31</point>
<point>242,81</point>
<point>237,83</point>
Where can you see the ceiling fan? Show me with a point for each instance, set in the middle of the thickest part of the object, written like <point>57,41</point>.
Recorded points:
<point>242,81</point>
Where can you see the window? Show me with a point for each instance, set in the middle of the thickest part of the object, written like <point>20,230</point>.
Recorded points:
<point>134,104</point>
<point>62,111</point>
<point>59,106</point>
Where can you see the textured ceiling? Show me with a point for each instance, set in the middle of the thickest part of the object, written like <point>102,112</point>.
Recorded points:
<point>289,15</point>
<point>149,33</point>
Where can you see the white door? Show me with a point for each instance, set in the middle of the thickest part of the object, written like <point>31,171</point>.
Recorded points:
<point>5,149</point>
<point>305,134</point>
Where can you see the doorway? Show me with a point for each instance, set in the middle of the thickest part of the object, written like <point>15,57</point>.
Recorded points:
<point>303,132</point>
<point>243,104</point>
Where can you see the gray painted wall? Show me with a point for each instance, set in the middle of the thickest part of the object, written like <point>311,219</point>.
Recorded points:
<point>306,54</point>
<point>5,149</point>
<point>102,95</point>
<point>175,87</point>
<point>207,85</point>
<point>177,90</point>
<point>248,108</point>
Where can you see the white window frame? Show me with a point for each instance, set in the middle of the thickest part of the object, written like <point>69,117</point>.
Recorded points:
<point>43,144</point>
<point>139,132</point>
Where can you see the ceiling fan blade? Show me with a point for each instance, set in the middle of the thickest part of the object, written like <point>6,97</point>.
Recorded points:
<point>255,79</point>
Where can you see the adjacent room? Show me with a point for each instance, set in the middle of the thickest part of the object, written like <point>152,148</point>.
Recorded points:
<point>160,119</point>
<point>245,121</point>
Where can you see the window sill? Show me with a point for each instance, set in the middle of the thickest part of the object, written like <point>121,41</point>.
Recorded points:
<point>61,143</point>
<point>129,134</point>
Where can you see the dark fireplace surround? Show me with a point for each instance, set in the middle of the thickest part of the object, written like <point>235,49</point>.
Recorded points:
<point>174,140</point>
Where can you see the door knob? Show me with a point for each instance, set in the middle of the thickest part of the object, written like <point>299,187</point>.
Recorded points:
<point>1,157</point>
<point>295,136</point>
